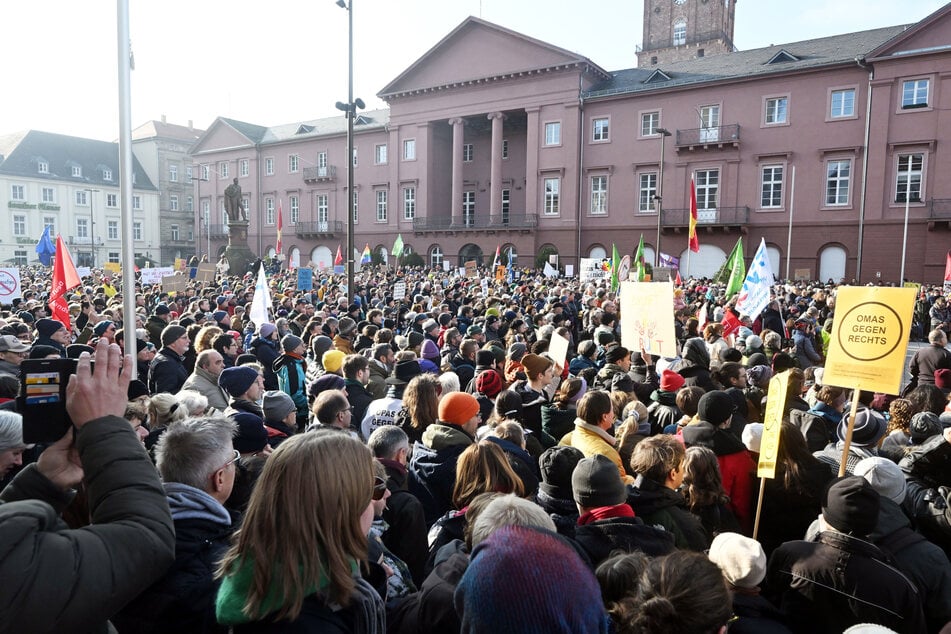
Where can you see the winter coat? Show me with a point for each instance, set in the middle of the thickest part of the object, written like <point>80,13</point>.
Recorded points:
<point>205,384</point>
<point>359,399</point>
<point>291,379</point>
<point>806,355</point>
<point>564,513</point>
<point>525,467</point>
<point>57,579</point>
<point>837,581</point>
<point>601,538</point>
<point>557,422</point>
<point>432,470</point>
<point>926,360</point>
<point>406,535</point>
<point>449,528</point>
<point>788,513</point>
<point>378,376</point>
<point>580,363</point>
<point>532,403</point>
<point>266,351</point>
<point>657,505</point>
<point>663,411</point>
<point>736,467</point>
<point>755,615</point>
<point>155,325</point>
<point>591,440</point>
<point>343,344</point>
<point>431,610</point>
<point>167,372</point>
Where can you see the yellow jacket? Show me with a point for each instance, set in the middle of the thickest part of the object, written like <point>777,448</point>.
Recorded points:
<point>591,440</point>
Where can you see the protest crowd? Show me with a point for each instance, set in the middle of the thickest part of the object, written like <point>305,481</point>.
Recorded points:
<point>435,453</point>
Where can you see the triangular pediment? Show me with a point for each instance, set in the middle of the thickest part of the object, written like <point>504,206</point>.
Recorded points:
<point>477,50</point>
<point>783,56</point>
<point>657,76</point>
<point>228,133</point>
<point>930,35</point>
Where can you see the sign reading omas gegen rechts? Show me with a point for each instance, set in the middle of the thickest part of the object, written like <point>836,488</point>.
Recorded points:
<point>869,338</point>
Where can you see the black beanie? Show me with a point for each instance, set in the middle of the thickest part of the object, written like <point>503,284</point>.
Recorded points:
<point>850,505</point>
<point>556,465</point>
<point>715,407</point>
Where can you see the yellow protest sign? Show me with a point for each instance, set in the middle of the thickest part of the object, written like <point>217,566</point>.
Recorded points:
<point>869,338</point>
<point>648,323</point>
<point>472,268</point>
<point>113,267</point>
<point>772,422</point>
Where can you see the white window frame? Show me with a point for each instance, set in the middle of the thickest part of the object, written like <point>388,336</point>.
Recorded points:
<point>77,171</point>
<point>136,202</point>
<point>269,211</point>
<point>323,208</point>
<point>380,154</point>
<point>112,200</point>
<point>244,168</point>
<point>650,121</point>
<point>771,186</point>
<point>82,228</point>
<point>112,229</point>
<point>776,110</point>
<point>409,149</point>
<point>551,193</point>
<point>189,203</point>
<point>18,192</point>
<point>598,184</point>
<point>435,256</point>
<point>223,169</point>
<point>269,166</point>
<point>468,150</point>
<point>846,106</point>
<point>188,173</point>
<point>82,198</point>
<point>505,149</point>
<point>173,202</point>
<point>205,172</point>
<point>836,184</point>
<point>468,207</point>
<point>107,174</point>
<point>293,163</point>
<point>381,204</point>
<point>646,190</point>
<point>42,167</point>
<point>506,205</point>
<point>409,203</point>
<point>905,168</point>
<point>920,93</point>
<point>679,33</point>
<point>295,209</point>
<point>708,188</point>
<point>600,129</point>
<point>552,131</point>
<point>175,232</point>
<point>48,195</point>
<point>114,257</point>
<point>172,173</point>
<point>50,221</point>
<point>19,225</point>
<point>137,231</point>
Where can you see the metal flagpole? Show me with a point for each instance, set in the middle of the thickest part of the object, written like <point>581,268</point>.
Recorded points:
<point>124,54</point>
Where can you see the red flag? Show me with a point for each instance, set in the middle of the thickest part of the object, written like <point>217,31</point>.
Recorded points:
<point>694,241</point>
<point>65,278</point>
<point>731,323</point>
<point>498,256</point>
<point>677,280</point>
<point>338,259</point>
<point>280,225</point>
<point>947,268</point>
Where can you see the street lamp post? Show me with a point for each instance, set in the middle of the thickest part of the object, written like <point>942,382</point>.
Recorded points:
<point>659,193</point>
<point>201,214</point>
<point>350,108</point>
<point>92,226</point>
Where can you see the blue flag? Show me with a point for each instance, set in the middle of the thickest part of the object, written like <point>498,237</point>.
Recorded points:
<point>44,248</point>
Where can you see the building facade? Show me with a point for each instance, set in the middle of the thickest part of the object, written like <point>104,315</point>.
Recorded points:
<point>162,150</point>
<point>680,30</point>
<point>71,184</point>
<point>495,139</point>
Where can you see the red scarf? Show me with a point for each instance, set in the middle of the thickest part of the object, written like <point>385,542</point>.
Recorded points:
<point>605,512</point>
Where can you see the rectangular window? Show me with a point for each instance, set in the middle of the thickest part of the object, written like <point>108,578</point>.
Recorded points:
<point>322,208</point>
<point>908,181</point>
<point>112,200</point>
<point>48,195</point>
<point>114,257</point>
<point>776,110</point>
<point>175,233</point>
<point>650,121</point>
<point>137,231</point>
<point>552,187</point>
<point>842,103</point>
<point>206,209</point>
<point>680,33</point>
<point>409,150</point>
<point>19,225</point>
<point>708,188</point>
<point>269,211</point>
<point>838,177</point>
<point>772,192</point>
<point>709,123</point>
<point>468,208</point>
<point>467,152</point>
<point>19,258</point>
<point>17,192</point>
<point>188,173</point>
<point>136,202</point>
<point>42,167</point>
<point>295,210</point>
<point>107,175</point>
<point>205,172</point>
<point>506,205</point>
<point>189,203</point>
<point>381,205</point>
<point>553,133</point>
<point>173,203</point>
<point>293,163</point>
<point>223,169</point>
<point>356,206</point>
<point>599,129</point>
<point>379,154</point>
<point>505,149</point>
<point>244,167</point>
<point>81,198</point>
<point>82,228</point>
<point>646,190</point>
<point>50,221</point>
<point>77,171</point>
<point>599,195</point>
<point>269,166</point>
<point>914,93</point>
<point>112,229</point>
<point>173,172</point>
<point>409,203</point>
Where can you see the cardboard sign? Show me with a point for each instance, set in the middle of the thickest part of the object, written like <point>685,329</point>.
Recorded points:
<point>446,266</point>
<point>802,274</point>
<point>472,268</point>
<point>399,291</point>
<point>155,275</point>
<point>663,274</point>
<point>648,323</point>
<point>772,422</point>
<point>869,338</point>
<point>305,279</point>
<point>9,285</point>
<point>206,272</point>
<point>174,283</point>
<point>558,349</point>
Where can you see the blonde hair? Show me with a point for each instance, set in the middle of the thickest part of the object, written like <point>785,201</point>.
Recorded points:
<point>165,409</point>
<point>205,336</point>
<point>483,468</point>
<point>290,538</point>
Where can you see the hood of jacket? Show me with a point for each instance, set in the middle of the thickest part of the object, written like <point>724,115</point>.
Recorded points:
<point>441,436</point>
<point>286,359</point>
<point>189,503</point>
<point>704,434</point>
<point>647,497</point>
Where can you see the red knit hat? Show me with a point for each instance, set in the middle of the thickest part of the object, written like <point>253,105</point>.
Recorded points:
<point>488,383</point>
<point>457,408</point>
<point>670,381</point>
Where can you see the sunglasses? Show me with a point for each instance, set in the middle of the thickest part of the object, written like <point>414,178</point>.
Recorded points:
<point>379,488</point>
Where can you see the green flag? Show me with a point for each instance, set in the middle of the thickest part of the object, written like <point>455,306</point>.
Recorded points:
<point>639,264</point>
<point>397,249</point>
<point>737,270</point>
<point>615,265</point>
<point>722,276</point>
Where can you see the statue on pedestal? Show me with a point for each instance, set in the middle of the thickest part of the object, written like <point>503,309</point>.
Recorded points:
<point>234,202</point>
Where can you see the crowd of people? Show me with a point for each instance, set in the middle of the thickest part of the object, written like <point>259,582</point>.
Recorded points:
<point>425,462</point>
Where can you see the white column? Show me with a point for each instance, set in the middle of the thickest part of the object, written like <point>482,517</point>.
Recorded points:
<point>495,172</point>
<point>457,139</point>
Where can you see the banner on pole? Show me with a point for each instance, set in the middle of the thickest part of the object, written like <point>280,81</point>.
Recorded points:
<point>648,324</point>
<point>772,422</point>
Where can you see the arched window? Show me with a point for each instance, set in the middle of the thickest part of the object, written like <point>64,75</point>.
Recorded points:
<point>435,256</point>
<point>832,263</point>
<point>597,252</point>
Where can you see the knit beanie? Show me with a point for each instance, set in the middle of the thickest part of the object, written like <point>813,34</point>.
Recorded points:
<point>752,436</point>
<point>277,405</point>
<point>484,358</point>
<point>868,429</point>
<point>670,381</point>
<point>346,326</point>
<point>326,382</point>
<point>430,325</point>
<point>581,391</point>
<point>715,408</point>
<point>46,327</point>
<point>321,344</point>
<point>266,330</point>
<point>850,505</point>
<point>101,327</point>
<point>162,309</point>
<point>137,388</point>
<point>556,465</point>
<point>457,408</point>
<point>535,364</point>
<point>332,360</point>
<point>885,477</point>
<point>172,333</point>
<point>236,381</point>
<point>923,426</point>
<point>942,379</point>
<point>596,482</point>
<point>516,351</point>
<point>251,436</point>
<point>429,350</point>
<point>488,383</point>
<point>740,559</point>
<point>291,342</point>
<point>758,375</point>
<point>414,340</point>
<point>73,350</point>
<point>41,352</point>
<point>518,580</point>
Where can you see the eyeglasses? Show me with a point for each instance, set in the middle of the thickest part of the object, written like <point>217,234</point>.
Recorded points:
<point>379,488</point>
<point>234,459</point>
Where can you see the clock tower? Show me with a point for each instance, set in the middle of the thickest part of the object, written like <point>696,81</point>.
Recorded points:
<point>678,30</point>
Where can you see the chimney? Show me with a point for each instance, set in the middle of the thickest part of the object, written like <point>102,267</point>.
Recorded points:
<point>163,118</point>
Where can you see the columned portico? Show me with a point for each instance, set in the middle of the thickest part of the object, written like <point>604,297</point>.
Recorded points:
<point>457,124</point>
<point>495,172</point>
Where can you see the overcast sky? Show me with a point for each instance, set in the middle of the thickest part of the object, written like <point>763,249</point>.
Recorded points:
<point>282,61</point>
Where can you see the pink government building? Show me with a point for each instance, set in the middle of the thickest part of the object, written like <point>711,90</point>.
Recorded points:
<point>824,148</point>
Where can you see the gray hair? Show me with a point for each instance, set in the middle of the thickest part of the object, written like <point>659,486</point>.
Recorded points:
<point>11,431</point>
<point>449,382</point>
<point>191,451</point>
<point>204,358</point>
<point>165,409</point>
<point>937,336</point>
<point>194,402</point>
<point>509,510</point>
<point>386,440</point>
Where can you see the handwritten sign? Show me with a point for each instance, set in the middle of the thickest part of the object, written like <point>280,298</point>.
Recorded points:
<point>648,324</point>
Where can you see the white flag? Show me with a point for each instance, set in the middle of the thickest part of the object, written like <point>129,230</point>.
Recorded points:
<point>261,300</point>
<point>702,317</point>
<point>754,296</point>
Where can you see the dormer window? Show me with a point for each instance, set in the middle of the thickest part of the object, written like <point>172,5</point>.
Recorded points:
<point>783,57</point>
<point>77,171</point>
<point>107,175</point>
<point>42,167</point>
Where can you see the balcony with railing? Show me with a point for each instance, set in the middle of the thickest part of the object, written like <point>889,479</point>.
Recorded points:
<point>218,232</point>
<point>703,138</point>
<point>327,229</point>
<point>940,208</point>
<point>83,240</point>
<point>719,217</point>
<point>320,174</point>
<point>515,222</point>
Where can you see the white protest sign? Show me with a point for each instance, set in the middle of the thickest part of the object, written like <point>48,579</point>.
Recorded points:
<point>399,291</point>
<point>648,324</point>
<point>83,271</point>
<point>558,349</point>
<point>9,285</point>
<point>569,270</point>
<point>155,275</point>
<point>594,269</point>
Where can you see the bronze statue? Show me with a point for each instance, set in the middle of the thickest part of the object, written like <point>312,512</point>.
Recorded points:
<point>234,202</point>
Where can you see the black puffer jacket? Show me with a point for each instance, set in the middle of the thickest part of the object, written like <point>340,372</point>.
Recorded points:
<point>657,505</point>
<point>601,538</point>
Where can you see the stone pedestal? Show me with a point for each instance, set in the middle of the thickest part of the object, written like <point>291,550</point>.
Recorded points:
<point>238,254</point>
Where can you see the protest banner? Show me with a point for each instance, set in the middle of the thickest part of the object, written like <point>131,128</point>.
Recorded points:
<point>769,443</point>
<point>83,271</point>
<point>9,285</point>
<point>648,324</point>
<point>206,272</point>
<point>305,279</point>
<point>594,269</point>
<point>471,268</point>
<point>155,275</point>
<point>399,291</point>
<point>174,283</point>
<point>113,267</point>
<point>558,349</point>
<point>569,270</point>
